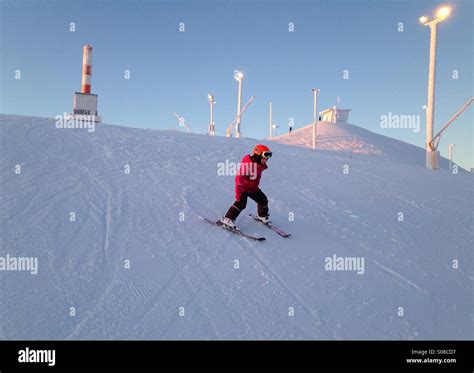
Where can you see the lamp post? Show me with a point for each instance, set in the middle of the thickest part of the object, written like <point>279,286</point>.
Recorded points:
<point>432,155</point>
<point>315,113</point>
<point>275,127</point>
<point>270,124</point>
<point>211,130</point>
<point>239,76</point>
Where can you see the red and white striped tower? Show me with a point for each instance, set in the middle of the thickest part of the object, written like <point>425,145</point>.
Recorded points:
<point>86,69</point>
<point>85,102</point>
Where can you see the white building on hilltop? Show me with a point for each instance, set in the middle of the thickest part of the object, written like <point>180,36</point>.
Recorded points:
<point>335,115</point>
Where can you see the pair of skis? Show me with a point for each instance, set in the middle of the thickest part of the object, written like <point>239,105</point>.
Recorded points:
<point>237,231</point>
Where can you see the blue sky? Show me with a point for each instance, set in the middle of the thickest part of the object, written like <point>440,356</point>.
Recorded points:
<point>174,71</point>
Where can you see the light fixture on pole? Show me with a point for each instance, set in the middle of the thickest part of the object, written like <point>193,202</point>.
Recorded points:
<point>211,130</point>
<point>239,76</point>
<point>432,155</point>
<point>315,113</point>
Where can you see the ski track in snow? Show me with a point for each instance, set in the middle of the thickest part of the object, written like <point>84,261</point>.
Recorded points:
<point>107,230</point>
<point>400,277</point>
<point>266,272</point>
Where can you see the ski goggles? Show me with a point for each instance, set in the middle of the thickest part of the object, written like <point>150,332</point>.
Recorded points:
<point>266,154</point>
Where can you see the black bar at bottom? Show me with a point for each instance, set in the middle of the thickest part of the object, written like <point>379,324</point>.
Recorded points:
<point>445,356</point>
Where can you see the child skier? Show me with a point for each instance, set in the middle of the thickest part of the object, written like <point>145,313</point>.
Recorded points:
<point>246,185</point>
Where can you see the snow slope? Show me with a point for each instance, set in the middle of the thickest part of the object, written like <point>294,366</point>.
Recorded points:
<point>150,219</point>
<point>348,138</point>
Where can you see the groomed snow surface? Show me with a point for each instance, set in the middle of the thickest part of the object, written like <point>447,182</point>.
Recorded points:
<point>138,262</point>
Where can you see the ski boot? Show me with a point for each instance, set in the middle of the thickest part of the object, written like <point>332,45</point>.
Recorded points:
<point>264,219</point>
<point>228,224</point>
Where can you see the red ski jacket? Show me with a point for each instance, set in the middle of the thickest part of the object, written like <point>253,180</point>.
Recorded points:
<point>248,177</point>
